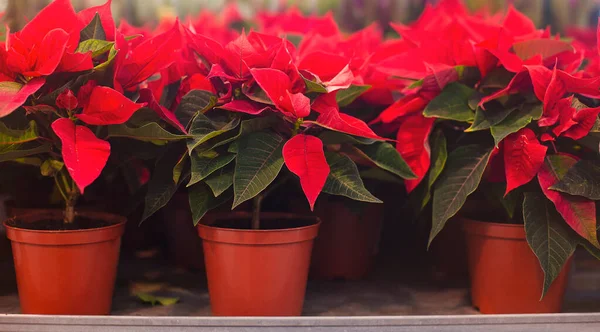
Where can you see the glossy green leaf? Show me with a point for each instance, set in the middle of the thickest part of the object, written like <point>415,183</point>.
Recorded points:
<point>347,96</point>
<point>385,156</point>
<point>17,151</point>
<point>550,238</point>
<point>459,179</point>
<point>194,102</point>
<point>312,86</point>
<point>96,46</point>
<point>13,136</point>
<point>259,161</point>
<point>111,57</point>
<point>344,179</point>
<point>485,119</point>
<point>451,104</point>
<point>151,132</point>
<point>220,180</point>
<point>203,129</point>
<point>202,200</point>
<point>335,137</point>
<point>161,186</point>
<point>50,167</point>
<point>439,154</point>
<point>250,126</point>
<point>94,30</point>
<point>583,179</point>
<point>515,121</point>
<point>203,166</point>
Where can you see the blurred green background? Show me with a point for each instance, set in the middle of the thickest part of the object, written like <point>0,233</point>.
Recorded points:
<point>351,14</point>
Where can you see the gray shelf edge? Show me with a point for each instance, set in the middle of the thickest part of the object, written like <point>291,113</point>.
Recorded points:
<point>488,323</point>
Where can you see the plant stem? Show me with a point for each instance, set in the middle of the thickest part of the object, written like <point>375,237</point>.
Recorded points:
<point>256,205</point>
<point>70,206</point>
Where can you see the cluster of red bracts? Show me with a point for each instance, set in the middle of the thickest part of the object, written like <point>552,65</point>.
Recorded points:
<point>262,70</point>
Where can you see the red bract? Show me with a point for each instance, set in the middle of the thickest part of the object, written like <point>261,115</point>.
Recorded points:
<point>13,94</point>
<point>83,153</point>
<point>330,117</point>
<point>107,106</point>
<point>277,86</point>
<point>304,156</point>
<point>108,23</point>
<point>293,22</point>
<point>523,157</point>
<point>413,145</point>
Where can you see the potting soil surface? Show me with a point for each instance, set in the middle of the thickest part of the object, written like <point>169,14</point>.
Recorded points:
<point>391,289</point>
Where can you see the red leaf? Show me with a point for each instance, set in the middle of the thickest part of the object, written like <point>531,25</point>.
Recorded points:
<point>577,124</point>
<point>66,100</point>
<point>276,84</point>
<point>147,97</point>
<point>108,24</point>
<point>413,146</point>
<point>543,47</point>
<point>404,106</point>
<point>523,157</point>
<point>245,106</point>
<point>331,118</point>
<point>578,212</point>
<point>304,156</point>
<point>517,23</point>
<point>59,14</point>
<point>74,62</point>
<point>108,106</point>
<point>84,154</point>
<point>49,54</point>
<point>13,97</point>
<point>84,93</point>
<point>555,91</point>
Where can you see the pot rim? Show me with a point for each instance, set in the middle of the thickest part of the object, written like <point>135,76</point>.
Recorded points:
<point>474,227</point>
<point>66,237</point>
<point>258,236</point>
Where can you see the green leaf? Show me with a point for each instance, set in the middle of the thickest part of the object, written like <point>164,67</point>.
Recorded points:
<point>50,167</point>
<point>460,179</point>
<point>18,151</point>
<point>111,57</point>
<point>94,30</point>
<point>153,300</point>
<point>151,132</point>
<point>202,200</point>
<point>335,137</point>
<point>385,156</point>
<point>451,104</point>
<point>202,129</point>
<point>179,168</point>
<point>344,179</point>
<point>194,102</point>
<point>314,86</point>
<point>220,180</point>
<point>12,136</point>
<point>378,174</point>
<point>96,46</point>
<point>583,179</point>
<point>551,240</point>
<point>203,166</point>
<point>347,96</point>
<point>516,121</point>
<point>259,160</point>
<point>251,126</point>
<point>422,194</point>
<point>161,186</point>
<point>485,119</point>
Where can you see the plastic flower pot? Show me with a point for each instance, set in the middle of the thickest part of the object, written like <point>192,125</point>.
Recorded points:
<point>257,272</point>
<point>449,252</point>
<point>348,239</point>
<point>66,272</point>
<point>506,277</point>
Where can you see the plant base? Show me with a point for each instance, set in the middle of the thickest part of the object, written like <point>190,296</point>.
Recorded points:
<point>506,277</point>
<point>66,272</point>
<point>257,272</point>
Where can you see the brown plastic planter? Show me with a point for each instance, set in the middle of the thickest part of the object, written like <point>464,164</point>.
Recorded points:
<point>506,277</point>
<point>347,242</point>
<point>257,272</point>
<point>66,272</point>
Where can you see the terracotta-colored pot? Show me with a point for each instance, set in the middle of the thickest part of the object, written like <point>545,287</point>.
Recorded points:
<point>258,272</point>
<point>348,240</point>
<point>506,277</point>
<point>66,272</point>
<point>183,243</point>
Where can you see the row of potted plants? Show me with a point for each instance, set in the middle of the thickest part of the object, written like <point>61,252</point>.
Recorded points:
<point>202,110</point>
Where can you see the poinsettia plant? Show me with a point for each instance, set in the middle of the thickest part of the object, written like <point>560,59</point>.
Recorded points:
<point>257,103</point>
<point>68,83</point>
<point>493,103</point>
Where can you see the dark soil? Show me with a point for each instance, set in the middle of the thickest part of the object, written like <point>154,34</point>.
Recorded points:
<point>265,224</point>
<point>59,225</point>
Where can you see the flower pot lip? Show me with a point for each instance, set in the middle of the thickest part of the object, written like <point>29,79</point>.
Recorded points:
<point>66,237</point>
<point>493,229</point>
<point>258,236</point>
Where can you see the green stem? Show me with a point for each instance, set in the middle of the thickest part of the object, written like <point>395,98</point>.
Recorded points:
<point>256,206</point>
